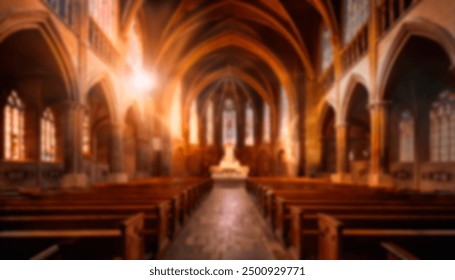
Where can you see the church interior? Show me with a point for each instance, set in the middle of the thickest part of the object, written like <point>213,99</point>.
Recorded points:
<point>227,129</point>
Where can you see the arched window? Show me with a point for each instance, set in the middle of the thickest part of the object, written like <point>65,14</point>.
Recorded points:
<point>209,124</point>
<point>249,126</point>
<point>267,124</point>
<point>284,114</point>
<point>326,49</point>
<point>194,133</point>
<point>406,137</point>
<point>229,123</point>
<point>442,128</point>
<point>48,136</point>
<point>355,15</point>
<point>176,113</point>
<point>105,14</point>
<point>86,135</point>
<point>14,125</point>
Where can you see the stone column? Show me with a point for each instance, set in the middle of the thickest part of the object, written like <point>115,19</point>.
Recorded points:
<point>378,145</point>
<point>341,154</point>
<point>72,119</point>
<point>117,173</point>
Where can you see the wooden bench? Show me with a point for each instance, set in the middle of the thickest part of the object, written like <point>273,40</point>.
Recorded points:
<point>156,230</point>
<point>41,236</point>
<point>360,236</point>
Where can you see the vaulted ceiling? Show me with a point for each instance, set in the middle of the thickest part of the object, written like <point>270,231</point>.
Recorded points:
<point>260,44</point>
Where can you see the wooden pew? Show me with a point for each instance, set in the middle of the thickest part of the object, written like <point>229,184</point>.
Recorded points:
<point>166,202</point>
<point>115,236</point>
<point>156,230</point>
<point>303,229</point>
<point>359,236</point>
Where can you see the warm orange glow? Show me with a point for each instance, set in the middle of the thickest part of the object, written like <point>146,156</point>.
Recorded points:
<point>143,81</point>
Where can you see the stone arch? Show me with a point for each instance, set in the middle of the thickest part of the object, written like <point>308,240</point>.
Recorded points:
<point>354,81</point>
<point>420,28</point>
<point>234,39</point>
<point>207,81</point>
<point>109,93</point>
<point>13,22</point>
<point>257,15</point>
<point>327,133</point>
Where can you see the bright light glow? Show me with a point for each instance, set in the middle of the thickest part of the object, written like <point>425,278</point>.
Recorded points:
<point>143,81</point>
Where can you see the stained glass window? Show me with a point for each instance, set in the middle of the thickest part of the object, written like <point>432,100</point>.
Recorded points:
<point>326,49</point>
<point>86,134</point>
<point>105,14</point>
<point>209,123</point>
<point>442,128</point>
<point>48,136</point>
<point>267,124</point>
<point>194,129</point>
<point>249,126</point>
<point>14,126</point>
<point>355,15</point>
<point>229,123</point>
<point>284,114</point>
<point>406,137</point>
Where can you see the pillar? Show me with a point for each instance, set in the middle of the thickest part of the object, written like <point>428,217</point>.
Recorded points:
<point>378,145</point>
<point>72,119</point>
<point>117,173</point>
<point>342,175</point>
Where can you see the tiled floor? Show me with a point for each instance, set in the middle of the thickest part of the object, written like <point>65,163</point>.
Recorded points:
<point>226,226</point>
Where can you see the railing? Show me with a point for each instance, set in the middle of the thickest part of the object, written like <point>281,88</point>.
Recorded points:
<point>355,49</point>
<point>101,44</point>
<point>64,9</point>
<point>389,11</point>
<point>327,78</point>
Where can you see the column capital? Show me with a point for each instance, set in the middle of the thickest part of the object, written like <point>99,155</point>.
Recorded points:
<point>341,124</point>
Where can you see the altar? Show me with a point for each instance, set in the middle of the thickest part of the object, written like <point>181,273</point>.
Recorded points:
<point>229,167</point>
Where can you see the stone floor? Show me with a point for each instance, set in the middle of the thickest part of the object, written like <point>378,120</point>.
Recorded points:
<point>227,225</point>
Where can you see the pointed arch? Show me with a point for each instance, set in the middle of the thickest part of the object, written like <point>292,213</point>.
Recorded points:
<point>259,16</point>
<point>355,80</point>
<point>109,94</point>
<point>420,28</point>
<point>16,20</point>
<point>234,39</point>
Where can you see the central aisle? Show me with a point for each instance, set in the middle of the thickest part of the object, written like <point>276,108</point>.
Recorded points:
<point>226,226</point>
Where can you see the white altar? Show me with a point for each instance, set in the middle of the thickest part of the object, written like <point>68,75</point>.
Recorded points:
<point>229,167</point>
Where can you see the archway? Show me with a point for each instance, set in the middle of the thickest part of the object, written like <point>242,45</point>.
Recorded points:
<point>328,142</point>
<point>131,153</point>
<point>44,132</point>
<point>358,121</point>
<point>413,87</point>
<point>100,127</point>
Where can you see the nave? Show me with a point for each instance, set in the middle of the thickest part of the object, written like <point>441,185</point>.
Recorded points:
<point>226,226</point>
